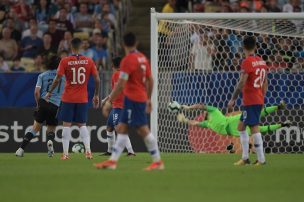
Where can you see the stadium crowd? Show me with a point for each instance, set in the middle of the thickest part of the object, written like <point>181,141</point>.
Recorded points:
<point>34,30</point>
<point>218,49</point>
<point>31,31</point>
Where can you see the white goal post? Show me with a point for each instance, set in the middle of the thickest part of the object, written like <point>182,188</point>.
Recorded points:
<point>195,58</point>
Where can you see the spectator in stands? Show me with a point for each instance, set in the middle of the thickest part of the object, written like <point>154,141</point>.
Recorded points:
<point>101,52</point>
<point>27,32</point>
<point>3,65</point>
<point>15,34</point>
<point>106,10</point>
<point>212,6</point>
<point>244,9</point>
<point>98,7</point>
<point>38,64</point>
<point>198,6</point>
<point>18,24</point>
<point>235,7</point>
<point>70,17</point>
<point>63,53</point>
<point>65,43</point>
<point>43,12</point>
<point>23,10</point>
<point>83,19</point>
<point>95,35</point>
<point>273,6</point>
<point>47,50</point>
<point>17,66</point>
<point>106,23</point>
<point>31,45</point>
<point>169,7</point>
<point>56,35</point>
<point>288,8</point>
<point>87,51</point>
<point>201,53</point>
<point>63,24</point>
<point>8,45</point>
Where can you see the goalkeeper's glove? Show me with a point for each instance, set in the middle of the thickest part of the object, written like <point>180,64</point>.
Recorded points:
<point>181,118</point>
<point>186,107</point>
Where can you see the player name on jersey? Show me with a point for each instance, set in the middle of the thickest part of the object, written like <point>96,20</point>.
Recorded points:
<point>78,62</point>
<point>258,63</point>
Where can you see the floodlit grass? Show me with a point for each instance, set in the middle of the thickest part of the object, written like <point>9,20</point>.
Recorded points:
<point>187,177</point>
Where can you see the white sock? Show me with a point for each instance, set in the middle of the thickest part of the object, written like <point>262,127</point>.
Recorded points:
<point>119,146</point>
<point>66,136</point>
<point>84,133</point>
<point>129,146</point>
<point>258,144</point>
<point>245,144</point>
<point>151,144</point>
<point>111,140</point>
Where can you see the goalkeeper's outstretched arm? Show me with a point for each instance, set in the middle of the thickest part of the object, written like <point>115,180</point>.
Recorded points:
<point>181,118</point>
<point>195,106</point>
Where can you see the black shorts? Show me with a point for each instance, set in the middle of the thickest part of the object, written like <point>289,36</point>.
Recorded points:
<point>47,112</point>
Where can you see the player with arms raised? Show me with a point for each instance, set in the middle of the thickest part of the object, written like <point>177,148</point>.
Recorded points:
<point>136,81</point>
<point>114,115</point>
<point>74,106</point>
<point>253,85</point>
<point>45,111</point>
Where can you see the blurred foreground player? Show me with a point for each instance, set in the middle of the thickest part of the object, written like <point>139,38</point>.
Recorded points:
<point>136,81</point>
<point>74,106</point>
<point>114,115</point>
<point>45,110</point>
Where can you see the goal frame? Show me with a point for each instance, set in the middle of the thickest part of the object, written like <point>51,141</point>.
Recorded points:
<point>155,17</point>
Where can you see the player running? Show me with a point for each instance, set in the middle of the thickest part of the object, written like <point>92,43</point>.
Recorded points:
<point>74,106</point>
<point>137,82</point>
<point>253,84</point>
<point>114,115</point>
<point>227,125</point>
<point>45,110</point>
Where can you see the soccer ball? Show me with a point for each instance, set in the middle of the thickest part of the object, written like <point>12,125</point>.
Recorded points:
<point>78,148</point>
<point>174,107</point>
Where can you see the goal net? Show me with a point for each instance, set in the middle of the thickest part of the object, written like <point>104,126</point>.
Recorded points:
<point>196,59</point>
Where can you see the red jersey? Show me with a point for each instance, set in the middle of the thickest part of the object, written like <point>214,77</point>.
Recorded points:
<point>77,71</point>
<point>137,67</point>
<point>118,101</point>
<point>256,68</point>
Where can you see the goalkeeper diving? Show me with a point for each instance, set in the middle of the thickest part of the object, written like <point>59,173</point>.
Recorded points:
<point>227,125</point>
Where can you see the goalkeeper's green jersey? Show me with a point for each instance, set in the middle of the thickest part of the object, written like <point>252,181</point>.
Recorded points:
<point>227,125</point>
<point>220,123</point>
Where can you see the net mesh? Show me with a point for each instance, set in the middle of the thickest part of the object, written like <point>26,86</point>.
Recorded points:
<point>198,62</point>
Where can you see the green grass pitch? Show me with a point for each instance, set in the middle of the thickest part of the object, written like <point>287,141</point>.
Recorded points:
<point>187,177</point>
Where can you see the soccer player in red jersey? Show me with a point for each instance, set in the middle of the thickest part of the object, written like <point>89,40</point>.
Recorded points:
<point>74,102</point>
<point>114,115</point>
<point>253,85</point>
<point>137,84</point>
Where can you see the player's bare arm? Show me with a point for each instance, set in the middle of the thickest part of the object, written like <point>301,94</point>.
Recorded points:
<point>96,92</point>
<point>37,95</point>
<point>238,90</point>
<point>265,86</point>
<point>53,86</point>
<point>149,86</point>
<point>195,106</point>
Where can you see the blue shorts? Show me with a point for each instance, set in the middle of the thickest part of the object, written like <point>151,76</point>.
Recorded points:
<point>113,118</point>
<point>134,113</point>
<point>73,112</point>
<point>251,115</point>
